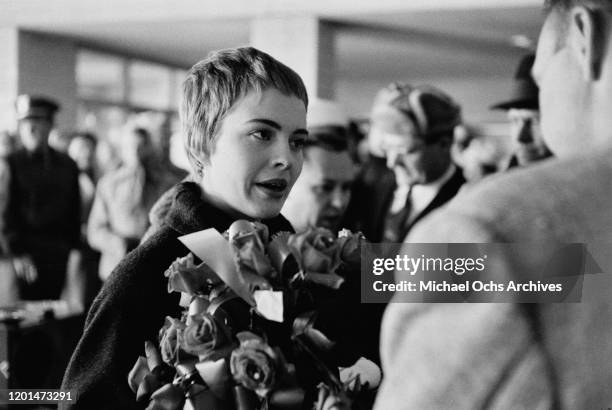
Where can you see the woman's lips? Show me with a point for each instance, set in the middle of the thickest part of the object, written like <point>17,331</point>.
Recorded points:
<point>275,187</point>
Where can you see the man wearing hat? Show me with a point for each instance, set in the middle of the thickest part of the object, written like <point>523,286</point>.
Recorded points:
<point>515,355</point>
<point>523,112</point>
<point>323,190</point>
<point>415,125</point>
<point>42,220</point>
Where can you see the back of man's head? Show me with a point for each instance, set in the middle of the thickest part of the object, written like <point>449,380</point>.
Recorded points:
<point>572,69</point>
<point>563,7</point>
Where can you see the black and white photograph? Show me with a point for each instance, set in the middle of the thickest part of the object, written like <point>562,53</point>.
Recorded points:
<point>305,205</point>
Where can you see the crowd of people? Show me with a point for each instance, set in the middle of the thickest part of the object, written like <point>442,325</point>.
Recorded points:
<point>260,149</point>
<point>64,225</point>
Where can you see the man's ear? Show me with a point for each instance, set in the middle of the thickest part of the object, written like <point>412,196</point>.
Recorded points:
<point>585,40</point>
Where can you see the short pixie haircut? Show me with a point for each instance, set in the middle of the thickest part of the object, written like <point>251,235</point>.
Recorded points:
<point>213,86</point>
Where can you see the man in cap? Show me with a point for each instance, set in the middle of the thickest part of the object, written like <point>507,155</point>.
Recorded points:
<point>42,221</point>
<point>322,192</point>
<point>523,112</point>
<point>549,355</point>
<point>415,125</point>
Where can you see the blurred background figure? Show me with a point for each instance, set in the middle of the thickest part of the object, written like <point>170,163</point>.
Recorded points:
<point>8,290</point>
<point>372,174</point>
<point>59,140</point>
<point>177,153</point>
<point>119,216</point>
<point>107,158</point>
<point>82,150</point>
<point>160,130</point>
<point>477,153</point>
<point>523,112</point>
<point>414,126</point>
<point>163,146</point>
<point>8,144</point>
<point>319,198</point>
<point>41,224</point>
<point>322,192</point>
<point>84,283</point>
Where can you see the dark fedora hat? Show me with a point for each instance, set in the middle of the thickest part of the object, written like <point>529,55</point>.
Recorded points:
<point>524,92</point>
<point>28,106</point>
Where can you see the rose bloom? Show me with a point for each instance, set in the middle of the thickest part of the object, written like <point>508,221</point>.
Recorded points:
<point>185,276</point>
<point>316,250</point>
<point>201,336</point>
<point>255,365</point>
<point>168,339</point>
<point>242,231</point>
<point>350,247</point>
<point>248,240</point>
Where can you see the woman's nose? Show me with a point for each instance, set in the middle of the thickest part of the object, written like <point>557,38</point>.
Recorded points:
<point>283,156</point>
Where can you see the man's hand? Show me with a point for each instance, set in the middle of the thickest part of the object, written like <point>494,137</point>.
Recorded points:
<point>25,268</point>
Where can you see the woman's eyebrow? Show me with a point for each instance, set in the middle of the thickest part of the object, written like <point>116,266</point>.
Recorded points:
<point>276,125</point>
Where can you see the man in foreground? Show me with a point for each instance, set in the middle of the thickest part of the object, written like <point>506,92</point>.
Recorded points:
<point>513,355</point>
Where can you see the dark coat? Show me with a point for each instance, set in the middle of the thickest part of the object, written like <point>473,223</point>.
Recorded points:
<point>42,218</point>
<point>369,206</point>
<point>372,196</point>
<point>133,303</point>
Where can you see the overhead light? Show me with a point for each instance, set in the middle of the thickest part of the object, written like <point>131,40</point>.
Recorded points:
<point>522,41</point>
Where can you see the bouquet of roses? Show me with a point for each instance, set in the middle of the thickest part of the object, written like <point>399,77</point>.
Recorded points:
<point>260,326</point>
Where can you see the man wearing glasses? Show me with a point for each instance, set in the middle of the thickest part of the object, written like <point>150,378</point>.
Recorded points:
<point>415,125</point>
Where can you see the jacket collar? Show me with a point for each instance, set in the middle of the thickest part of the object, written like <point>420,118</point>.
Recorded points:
<point>190,213</point>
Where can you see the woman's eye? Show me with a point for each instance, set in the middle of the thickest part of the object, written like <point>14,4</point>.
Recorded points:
<point>298,143</point>
<point>263,135</point>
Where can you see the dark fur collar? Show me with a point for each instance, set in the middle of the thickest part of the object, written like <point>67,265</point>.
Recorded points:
<point>189,213</point>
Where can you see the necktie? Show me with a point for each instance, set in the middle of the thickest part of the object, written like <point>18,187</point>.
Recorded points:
<point>396,221</point>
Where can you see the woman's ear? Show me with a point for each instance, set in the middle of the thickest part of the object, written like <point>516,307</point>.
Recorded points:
<point>585,40</point>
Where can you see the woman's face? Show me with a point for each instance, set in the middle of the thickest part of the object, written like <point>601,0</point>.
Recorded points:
<point>256,155</point>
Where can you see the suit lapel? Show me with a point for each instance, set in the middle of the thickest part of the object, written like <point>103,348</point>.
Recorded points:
<point>445,194</point>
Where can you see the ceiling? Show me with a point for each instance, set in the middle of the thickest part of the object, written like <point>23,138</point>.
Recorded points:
<point>442,36</point>
<point>375,41</point>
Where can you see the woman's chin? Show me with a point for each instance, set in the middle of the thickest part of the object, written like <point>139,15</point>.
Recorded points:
<point>265,210</point>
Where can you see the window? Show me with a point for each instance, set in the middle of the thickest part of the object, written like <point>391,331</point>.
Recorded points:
<point>150,85</point>
<point>115,90</point>
<point>100,77</point>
